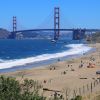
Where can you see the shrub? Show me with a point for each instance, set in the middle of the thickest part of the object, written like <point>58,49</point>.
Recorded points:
<point>77,98</point>
<point>11,89</point>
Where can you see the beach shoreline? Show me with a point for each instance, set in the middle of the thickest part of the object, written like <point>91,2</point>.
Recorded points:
<point>14,65</point>
<point>67,74</point>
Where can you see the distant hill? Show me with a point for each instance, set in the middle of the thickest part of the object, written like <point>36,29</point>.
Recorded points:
<point>4,34</point>
<point>96,37</point>
<point>47,35</point>
<point>37,34</point>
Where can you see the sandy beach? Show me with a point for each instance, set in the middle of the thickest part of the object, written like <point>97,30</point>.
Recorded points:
<point>72,75</point>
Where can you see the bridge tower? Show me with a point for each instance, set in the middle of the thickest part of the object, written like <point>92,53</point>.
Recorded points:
<point>14,23</point>
<point>56,23</point>
<point>13,35</point>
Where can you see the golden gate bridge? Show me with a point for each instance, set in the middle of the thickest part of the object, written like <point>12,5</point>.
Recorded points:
<point>78,33</point>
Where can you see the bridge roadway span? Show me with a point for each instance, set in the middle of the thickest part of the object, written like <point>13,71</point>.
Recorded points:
<point>30,30</point>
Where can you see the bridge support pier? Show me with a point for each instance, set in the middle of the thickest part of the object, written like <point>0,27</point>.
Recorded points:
<point>78,34</point>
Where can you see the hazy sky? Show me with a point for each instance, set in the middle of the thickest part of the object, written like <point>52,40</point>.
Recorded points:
<point>32,13</point>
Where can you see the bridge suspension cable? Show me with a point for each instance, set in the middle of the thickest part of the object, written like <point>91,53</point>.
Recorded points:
<point>48,22</point>
<point>65,21</point>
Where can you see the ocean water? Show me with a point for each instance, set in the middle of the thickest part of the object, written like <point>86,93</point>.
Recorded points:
<point>24,54</point>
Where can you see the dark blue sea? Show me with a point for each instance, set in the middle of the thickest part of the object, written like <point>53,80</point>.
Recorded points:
<point>28,53</point>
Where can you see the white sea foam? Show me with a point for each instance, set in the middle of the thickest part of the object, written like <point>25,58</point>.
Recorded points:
<point>1,60</point>
<point>75,49</point>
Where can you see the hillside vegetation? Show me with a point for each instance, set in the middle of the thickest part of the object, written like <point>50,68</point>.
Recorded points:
<point>96,37</point>
<point>11,89</point>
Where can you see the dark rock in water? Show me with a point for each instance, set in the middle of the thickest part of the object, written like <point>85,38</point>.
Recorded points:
<point>4,34</point>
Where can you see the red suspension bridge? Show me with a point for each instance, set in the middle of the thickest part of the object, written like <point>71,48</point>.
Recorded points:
<point>78,33</point>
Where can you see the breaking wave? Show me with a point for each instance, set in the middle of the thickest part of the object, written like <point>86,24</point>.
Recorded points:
<point>74,50</point>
